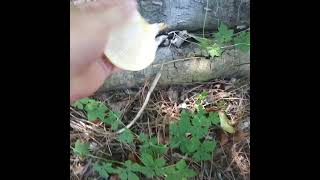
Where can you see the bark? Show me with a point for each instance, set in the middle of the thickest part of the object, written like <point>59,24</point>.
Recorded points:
<point>232,63</point>
<point>189,14</point>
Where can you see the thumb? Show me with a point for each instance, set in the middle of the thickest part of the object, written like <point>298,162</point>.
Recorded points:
<point>87,82</point>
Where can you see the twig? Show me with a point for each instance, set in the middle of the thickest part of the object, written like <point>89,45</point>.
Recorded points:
<point>154,83</point>
<point>177,60</point>
<point>242,64</point>
<point>235,45</point>
<point>205,18</point>
<point>185,39</point>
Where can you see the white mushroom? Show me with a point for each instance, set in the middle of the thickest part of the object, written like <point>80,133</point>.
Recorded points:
<point>133,45</point>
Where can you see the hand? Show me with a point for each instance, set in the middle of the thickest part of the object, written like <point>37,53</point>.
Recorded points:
<point>89,29</point>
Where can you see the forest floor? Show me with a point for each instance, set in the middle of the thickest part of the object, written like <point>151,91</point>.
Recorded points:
<point>230,158</point>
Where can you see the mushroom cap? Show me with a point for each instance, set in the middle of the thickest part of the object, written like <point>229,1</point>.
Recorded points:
<point>132,46</point>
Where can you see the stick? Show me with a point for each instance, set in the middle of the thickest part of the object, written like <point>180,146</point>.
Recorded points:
<point>154,83</point>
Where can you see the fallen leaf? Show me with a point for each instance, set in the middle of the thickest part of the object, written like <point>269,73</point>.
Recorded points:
<point>77,168</point>
<point>240,136</point>
<point>224,139</point>
<point>212,109</point>
<point>225,123</point>
<point>114,177</point>
<point>97,121</point>
<point>221,95</point>
<point>133,157</point>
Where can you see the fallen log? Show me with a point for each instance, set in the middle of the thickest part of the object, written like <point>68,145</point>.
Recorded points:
<point>184,65</point>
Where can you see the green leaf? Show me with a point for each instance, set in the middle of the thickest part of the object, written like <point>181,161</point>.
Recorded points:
<point>204,42</point>
<point>170,169</point>
<point>123,176</point>
<point>214,50</point>
<point>152,167</point>
<point>192,145</point>
<point>159,171</point>
<point>224,123</point>
<point>160,162</point>
<point>147,160</point>
<point>172,177</point>
<point>189,173</point>
<point>214,118</point>
<point>201,156</point>
<point>113,120</point>
<point>100,115</point>
<point>126,137</point>
<point>199,131</point>
<point>208,146</point>
<point>132,166</point>
<point>181,164</point>
<point>91,106</point>
<point>242,41</point>
<point>78,105</point>
<point>203,95</point>
<point>135,167</point>
<point>184,142</point>
<point>104,169</point>
<point>175,141</point>
<point>132,176</point>
<point>204,151</point>
<point>151,146</point>
<point>224,35</point>
<point>147,171</point>
<point>143,137</point>
<point>81,149</point>
<point>86,100</point>
<point>101,170</point>
<point>127,172</point>
<point>92,115</point>
<point>180,171</point>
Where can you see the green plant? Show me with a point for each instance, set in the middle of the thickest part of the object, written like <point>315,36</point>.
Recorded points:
<point>200,98</point>
<point>204,150</point>
<point>151,146</point>
<point>152,167</point>
<point>224,35</point>
<point>97,110</point>
<point>190,130</point>
<point>126,137</point>
<point>179,171</point>
<point>81,149</point>
<point>243,41</point>
<point>188,135</point>
<point>127,172</point>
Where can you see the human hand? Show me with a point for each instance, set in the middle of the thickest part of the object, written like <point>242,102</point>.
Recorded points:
<point>89,29</point>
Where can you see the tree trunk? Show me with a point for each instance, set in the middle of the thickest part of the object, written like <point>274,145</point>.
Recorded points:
<point>190,14</point>
<point>184,65</point>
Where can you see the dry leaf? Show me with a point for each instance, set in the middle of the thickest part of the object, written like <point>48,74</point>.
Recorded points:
<point>224,139</point>
<point>240,136</point>
<point>77,168</point>
<point>114,177</point>
<point>212,109</point>
<point>133,157</point>
<point>97,121</point>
